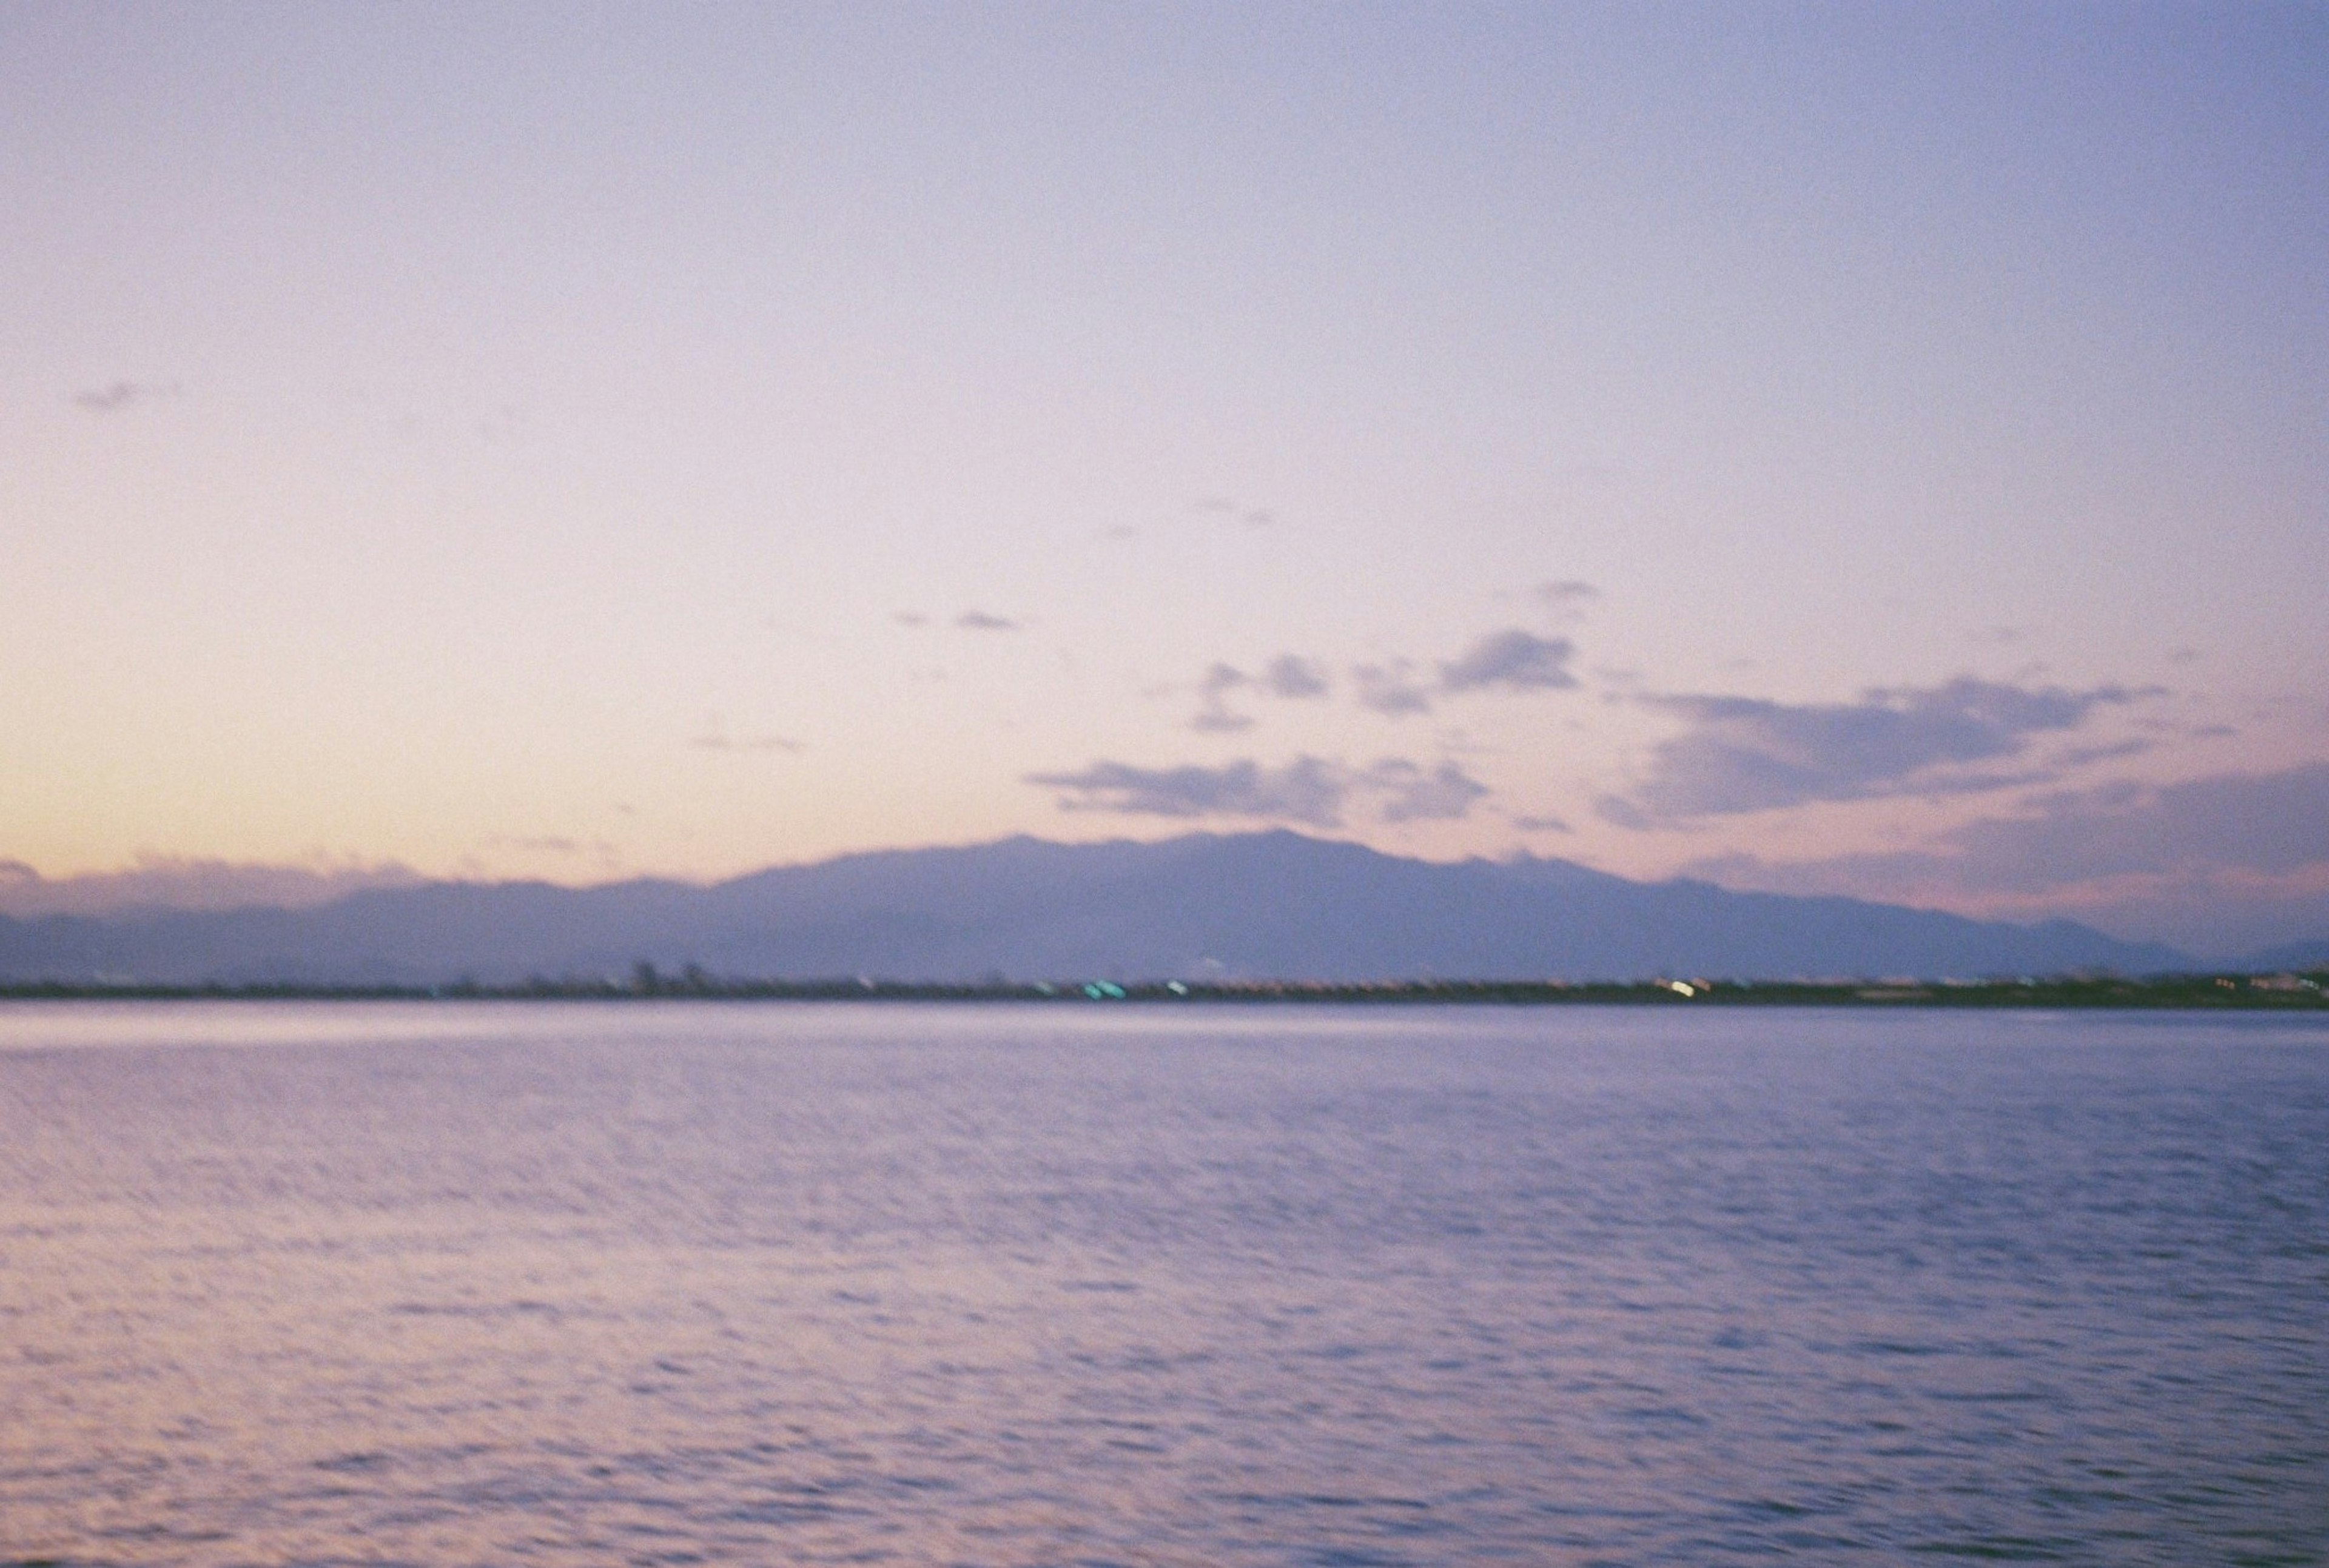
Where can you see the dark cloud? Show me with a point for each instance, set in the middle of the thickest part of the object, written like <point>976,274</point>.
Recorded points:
<point>1308,790</point>
<point>1541,825</point>
<point>1291,675</point>
<point>1514,660</point>
<point>1744,754</point>
<point>980,621</point>
<point>2215,863</point>
<point>2264,823</point>
<point>1391,689</point>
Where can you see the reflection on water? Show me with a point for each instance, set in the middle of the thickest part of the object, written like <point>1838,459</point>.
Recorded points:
<point>480,1284</point>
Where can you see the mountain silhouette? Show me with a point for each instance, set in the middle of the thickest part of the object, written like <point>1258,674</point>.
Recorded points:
<point>1254,906</point>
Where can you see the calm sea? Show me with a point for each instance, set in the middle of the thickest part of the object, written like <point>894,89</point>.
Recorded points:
<point>708,1283</point>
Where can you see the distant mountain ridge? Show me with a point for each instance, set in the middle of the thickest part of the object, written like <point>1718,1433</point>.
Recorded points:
<point>1273,904</point>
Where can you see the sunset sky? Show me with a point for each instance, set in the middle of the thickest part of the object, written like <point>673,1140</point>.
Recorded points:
<point>1879,449</point>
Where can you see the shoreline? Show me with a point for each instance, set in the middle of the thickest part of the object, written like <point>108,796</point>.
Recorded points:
<point>2214,992</point>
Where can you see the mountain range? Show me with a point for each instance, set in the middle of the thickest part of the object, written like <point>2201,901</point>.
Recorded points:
<point>1253,906</point>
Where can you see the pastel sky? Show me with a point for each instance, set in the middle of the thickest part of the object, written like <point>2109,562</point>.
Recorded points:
<point>1863,448</point>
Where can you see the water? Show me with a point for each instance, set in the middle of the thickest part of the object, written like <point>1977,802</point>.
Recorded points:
<point>481,1283</point>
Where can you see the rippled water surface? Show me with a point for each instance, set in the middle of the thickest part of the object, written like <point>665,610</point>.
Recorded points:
<point>700,1283</point>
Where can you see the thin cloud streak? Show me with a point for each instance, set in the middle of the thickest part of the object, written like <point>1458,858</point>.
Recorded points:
<point>119,395</point>
<point>1306,790</point>
<point>173,882</point>
<point>1310,791</point>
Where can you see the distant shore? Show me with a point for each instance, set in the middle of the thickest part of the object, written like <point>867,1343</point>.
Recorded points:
<point>2242,991</point>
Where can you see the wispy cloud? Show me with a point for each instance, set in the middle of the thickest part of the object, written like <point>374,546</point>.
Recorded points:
<point>1391,689</point>
<point>1227,507</point>
<point>1215,716</point>
<point>1566,598</point>
<point>1745,754</point>
<point>980,621</point>
<point>714,737</point>
<point>1309,790</point>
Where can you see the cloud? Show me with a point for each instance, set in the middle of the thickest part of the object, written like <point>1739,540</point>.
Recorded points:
<point>1744,754</point>
<point>980,621</point>
<point>170,882</point>
<point>1391,689</point>
<point>1514,660</point>
<point>1291,675</point>
<point>121,395</point>
<point>1308,790</point>
<point>1541,825</point>
<point>2218,862</point>
<point>1510,660</point>
<point>910,618</point>
<point>1445,793</point>
<point>2272,824</point>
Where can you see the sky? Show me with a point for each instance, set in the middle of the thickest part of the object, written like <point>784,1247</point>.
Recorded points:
<point>1868,449</point>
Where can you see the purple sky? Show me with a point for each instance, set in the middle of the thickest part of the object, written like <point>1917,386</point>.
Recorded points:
<point>1875,449</point>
